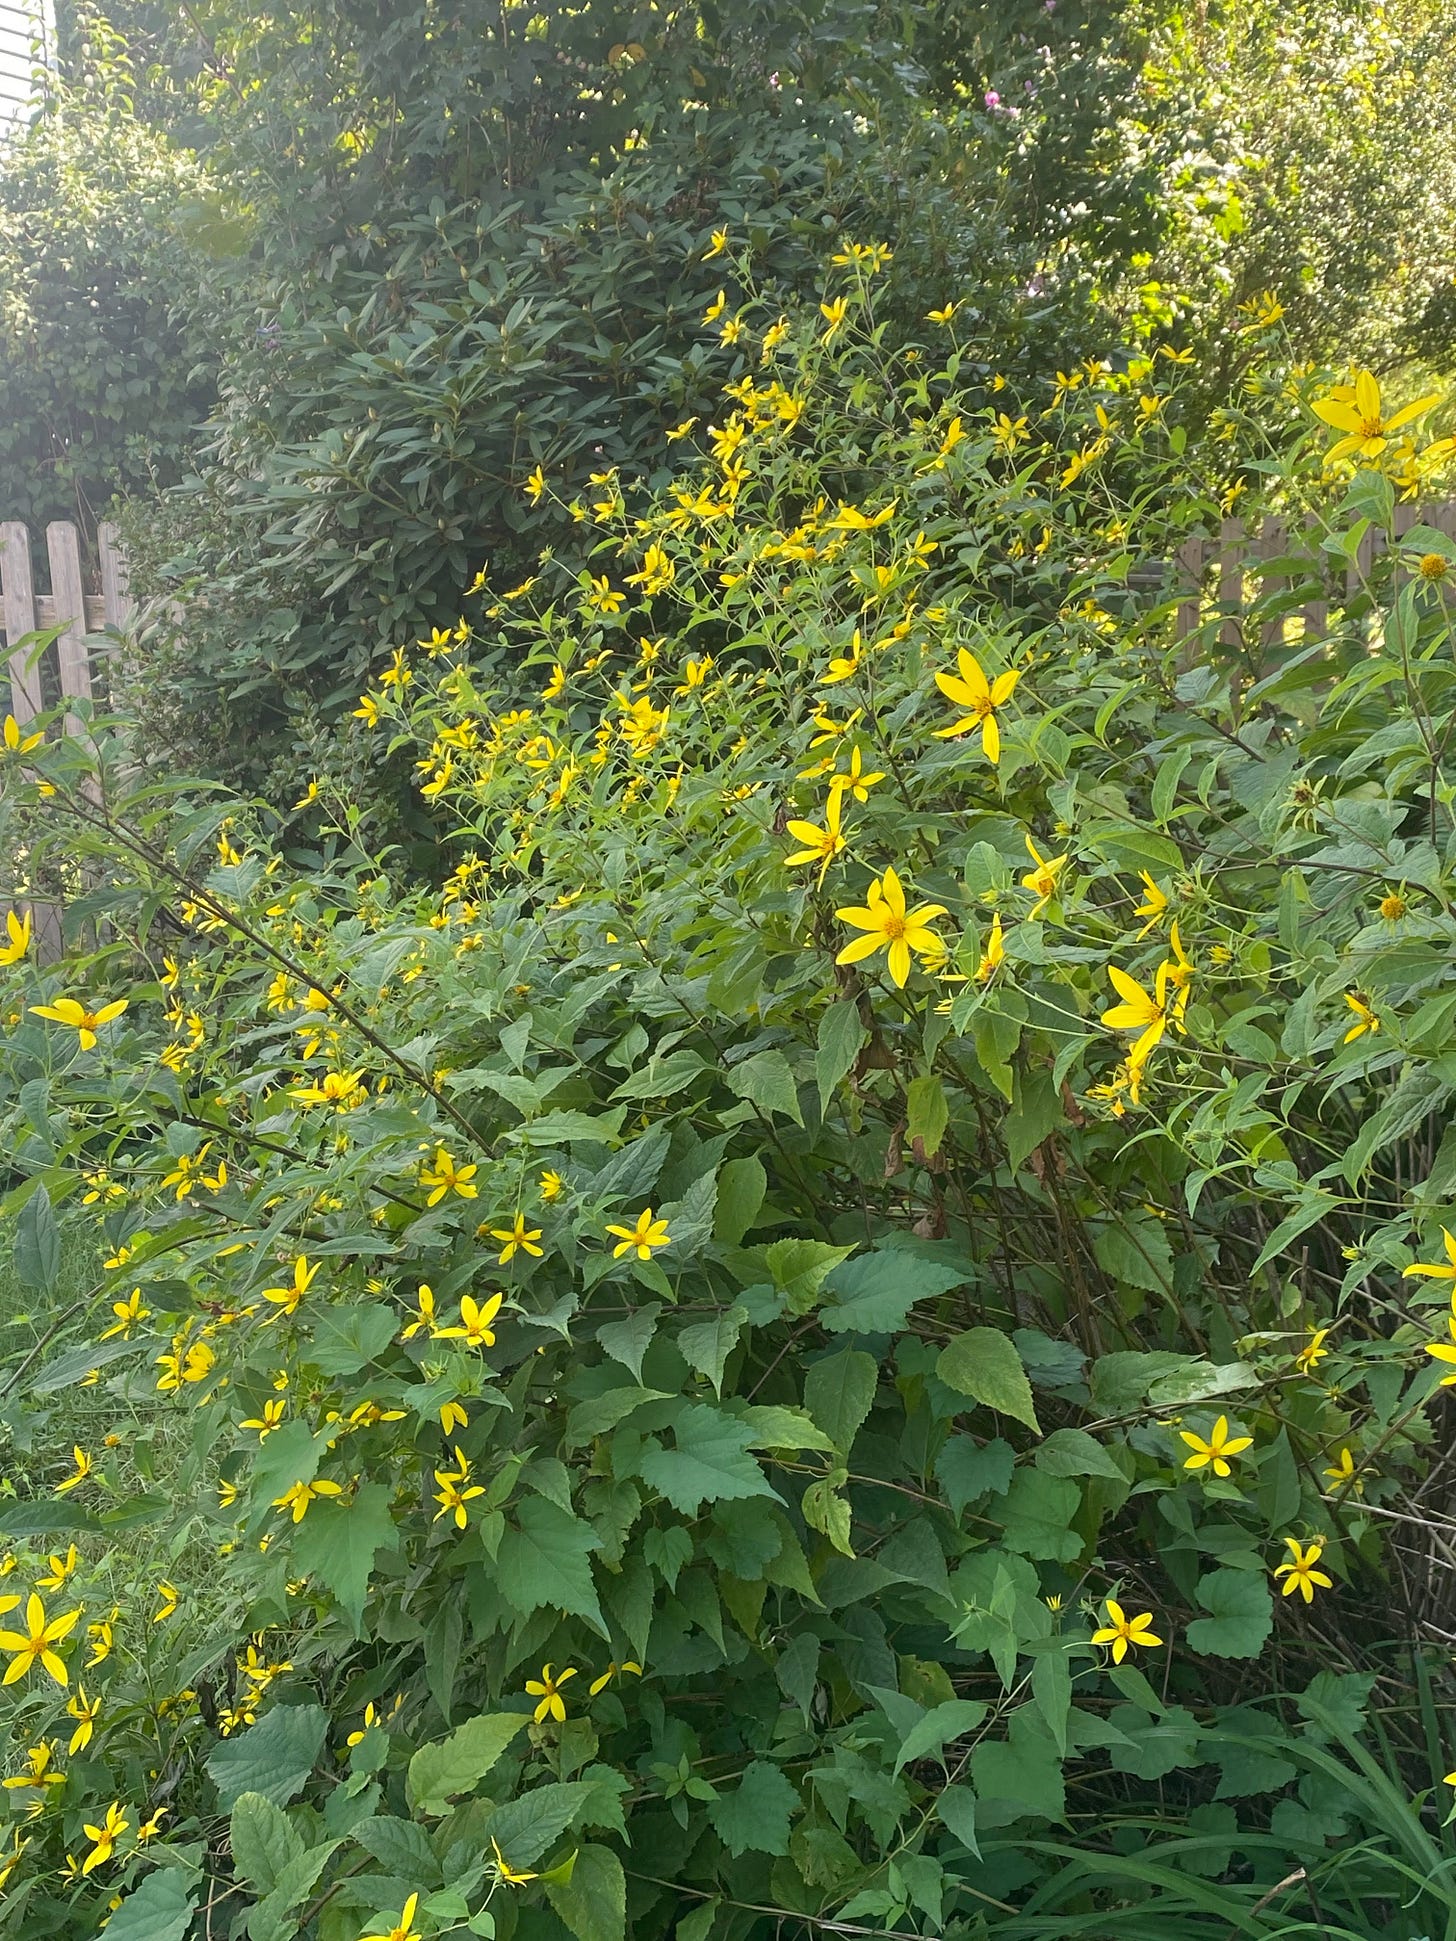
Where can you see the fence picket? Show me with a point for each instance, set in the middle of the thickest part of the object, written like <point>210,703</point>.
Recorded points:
<point>18,595</point>
<point>68,594</point>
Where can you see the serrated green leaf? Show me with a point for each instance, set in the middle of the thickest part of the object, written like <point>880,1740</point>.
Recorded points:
<point>927,1113</point>
<point>874,1293</point>
<point>708,1463</point>
<point>438,1772</point>
<point>754,1817</point>
<point>161,1909</point>
<point>1242,1615</point>
<point>593,1902</point>
<point>742,1184</point>
<point>273,1757</point>
<point>767,1081</point>
<point>526,1827</point>
<point>841,1033</point>
<point>340,1539</point>
<point>983,1364</point>
<point>839,1392</point>
<point>262,1840</point>
<point>1072,1452</point>
<point>544,1562</point>
<point>706,1345</point>
<point>929,1735</point>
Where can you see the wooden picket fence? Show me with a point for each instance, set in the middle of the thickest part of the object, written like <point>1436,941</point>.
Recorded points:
<point>66,670</point>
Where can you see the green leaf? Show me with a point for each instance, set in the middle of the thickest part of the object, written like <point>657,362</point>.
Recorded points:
<point>272,1919</point>
<point>628,1341</point>
<point>799,1268</point>
<point>698,1925</point>
<point>339,1541</point>
<point>1242,1615</point>
<point>1018,1776</point>
<point>966,1469</point>
<point>593,1902</point>
<point>543,1562</point>
<point>742,1184</point>
<point>66,1370</point>
<point>874,1293</point>
<point>841,1033</point>
<point>709,1462</point>
<point>706,1345</point>
<point>949,1720</point>
<point>161,1909</point>
<point>1120,1381</point>
<point>754,1817</point>
<point>660,1078</point>
<point>525,1828</point>
<point>767,1081</point>
<point>458,1764</point>
<point>839,1392</point>
<point>45,1517</point>
<point>927,1113</point>
<point>37,1244</point>
<point>983,1363</point>
<point>263,1841</point>
<point>1072,1452</point>
<point>347,1338</point>
<point>957,1809</point>
<point>1134,1250</point>
<point>402,1847</point>
<point>1038,1512</point>
<point>273,1757</point>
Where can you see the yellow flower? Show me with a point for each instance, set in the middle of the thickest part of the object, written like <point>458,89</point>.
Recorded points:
<point>1356,410</point>
<point>551,1185</point>
<point>1433,566</point>
<point>36,1644</point>
<point>1152,906</point>
<point>82,1471</point>
<point>535,486</point>
<point>1438,1271</point>
<point>79,1017</point>
<point>1042,880</point>
<point>510,1875</point>
<point>453,1495</point>
<point>475,1320</point>
<point>37,1771</point>
<point>61,1568</point>
<point>406,1931</point>
<point>424,1321</point>
<point>99,1635</point>
<point>548,1689</point>
<point>716,308</point>
<point>682,430</point>
<point>152,1825</point>
<point>18,929</point>
<point>1140,1011</point>
<point>1446,1351</point>
<point>105,1837</point>
<point>1314,1351</point>
<point>891,927</point>
<point>443,1176</point>
<point>298,1497</point>
<point>833,314</point>
<point>643,1238</point>
<point>518,1238</point>
<point>717,245</point>
<point>994,955</point>
<point>1215,1452</point>
<point>853,780</point>
<point>17,743</point>
<point>167,1594</point>
<point>942,316</point>
<point>1121,1631</point>
<point>1300,1572</point>
<point>821,846</point>
<point>268,1421</point>
<point>1365,1018</point>
<point>286,1299</point>
<point>981,697</point>
<point>367,711</point>
<point>85,1711</point>
<point>452,1417</point>
<point>1342,1473</point>
<point>612,1671</point>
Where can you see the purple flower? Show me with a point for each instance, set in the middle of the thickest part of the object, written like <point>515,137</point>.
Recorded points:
<point>993,100</point>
